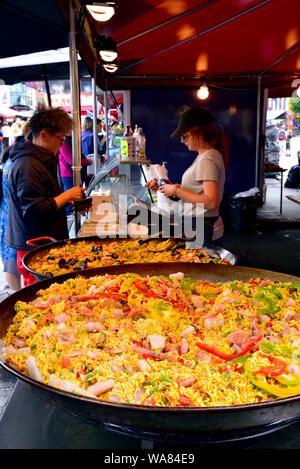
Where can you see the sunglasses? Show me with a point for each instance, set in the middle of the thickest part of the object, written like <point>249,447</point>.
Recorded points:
<point>59,137</point>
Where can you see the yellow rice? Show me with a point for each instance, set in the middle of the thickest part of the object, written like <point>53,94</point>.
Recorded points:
<point>87,254</point>
<point>181,311</point>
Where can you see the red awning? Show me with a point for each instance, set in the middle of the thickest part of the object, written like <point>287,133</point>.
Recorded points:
<point>226,43</point>
<point>84,109</point>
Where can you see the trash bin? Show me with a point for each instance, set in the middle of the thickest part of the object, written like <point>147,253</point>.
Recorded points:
<point>243,213</point>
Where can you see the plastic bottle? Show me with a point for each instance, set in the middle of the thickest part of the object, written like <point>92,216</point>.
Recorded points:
<point>135,135</point>
<point>162,182</point>
<point>136,131</point>
<point>128,144</point>
<point>141,144</point>
<point>128,131</point>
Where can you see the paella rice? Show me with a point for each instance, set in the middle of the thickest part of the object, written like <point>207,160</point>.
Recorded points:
<point>161,340</point>
<point>86,254</point>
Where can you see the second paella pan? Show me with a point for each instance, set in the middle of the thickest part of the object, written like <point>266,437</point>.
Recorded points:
<point>65,256</point>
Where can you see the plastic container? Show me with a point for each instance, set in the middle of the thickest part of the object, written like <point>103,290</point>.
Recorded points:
<point>128,148</point>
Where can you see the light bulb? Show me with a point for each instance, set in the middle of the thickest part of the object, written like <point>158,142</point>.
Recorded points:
<point>111,68</point>
<point>108,55</point>
<point>101,11</point>
<point>203,92</point>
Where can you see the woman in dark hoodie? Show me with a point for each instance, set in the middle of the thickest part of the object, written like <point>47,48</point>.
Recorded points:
<point>37,205</point>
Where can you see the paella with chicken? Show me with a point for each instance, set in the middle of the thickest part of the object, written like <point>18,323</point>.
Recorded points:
<point>161,340</point>
<point>86,254</point>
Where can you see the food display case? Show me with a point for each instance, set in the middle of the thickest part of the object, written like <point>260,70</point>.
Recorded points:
<point>120,183</point>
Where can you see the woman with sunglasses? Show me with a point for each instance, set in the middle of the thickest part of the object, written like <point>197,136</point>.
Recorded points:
<point>203,182</point>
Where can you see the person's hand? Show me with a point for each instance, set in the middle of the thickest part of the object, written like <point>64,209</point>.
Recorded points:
<point>75,194</point>
<point>152,184</point>
<point>168,189</point>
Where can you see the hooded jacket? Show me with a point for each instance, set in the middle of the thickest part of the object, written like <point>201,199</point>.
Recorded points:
<point>32,187</point>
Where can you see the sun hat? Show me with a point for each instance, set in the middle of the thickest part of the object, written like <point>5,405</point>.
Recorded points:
<point>192,118</point>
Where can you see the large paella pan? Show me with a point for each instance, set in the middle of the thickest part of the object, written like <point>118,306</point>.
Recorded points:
<point>65,256</point>
<point>237,328</point>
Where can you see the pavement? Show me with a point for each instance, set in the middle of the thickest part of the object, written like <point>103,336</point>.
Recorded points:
<point>271,208</point>
<point>4,292</point>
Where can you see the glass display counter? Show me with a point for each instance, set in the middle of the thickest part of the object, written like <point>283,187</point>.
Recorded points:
<point>122,184</point>
<point>122,177</point>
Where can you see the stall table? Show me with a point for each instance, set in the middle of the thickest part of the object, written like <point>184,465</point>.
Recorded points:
<point>277,169</point>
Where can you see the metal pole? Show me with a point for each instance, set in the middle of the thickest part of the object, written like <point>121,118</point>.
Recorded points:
<point>75,98</point>
<point>95,113</point>
<point>258,111</point>
<point>106,121</point>
<point>127,108</point>
<point>47,84</point>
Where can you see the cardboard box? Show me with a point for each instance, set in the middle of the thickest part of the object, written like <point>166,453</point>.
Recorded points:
<point>103,200</point>
<point>101,196</point>
<point>94,228</point>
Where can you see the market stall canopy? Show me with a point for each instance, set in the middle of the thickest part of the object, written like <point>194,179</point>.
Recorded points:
<point>52,64</point>
<point>226,43</point>
<point>7,113</point>
<point>31,26</point>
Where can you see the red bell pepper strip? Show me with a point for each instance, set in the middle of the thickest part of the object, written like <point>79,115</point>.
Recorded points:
<point>139,285</point>
<point>184,400</point>
<point>65,362</point>
<point>208,284</point>
<point>149,294</point>
<point>147,356</point>
<point>276,370</point>
<point>114,295</point>
<point>229,356</point>
<point>168,397</point>
<point>253,282</point>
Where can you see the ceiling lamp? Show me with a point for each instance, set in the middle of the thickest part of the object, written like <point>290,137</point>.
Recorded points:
<point>101,11</point>
<point>107,48</point>
<point>110,68</point>
<point>203,92</point>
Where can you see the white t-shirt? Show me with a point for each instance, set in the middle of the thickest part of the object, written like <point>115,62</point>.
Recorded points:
<point>208,166</point>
